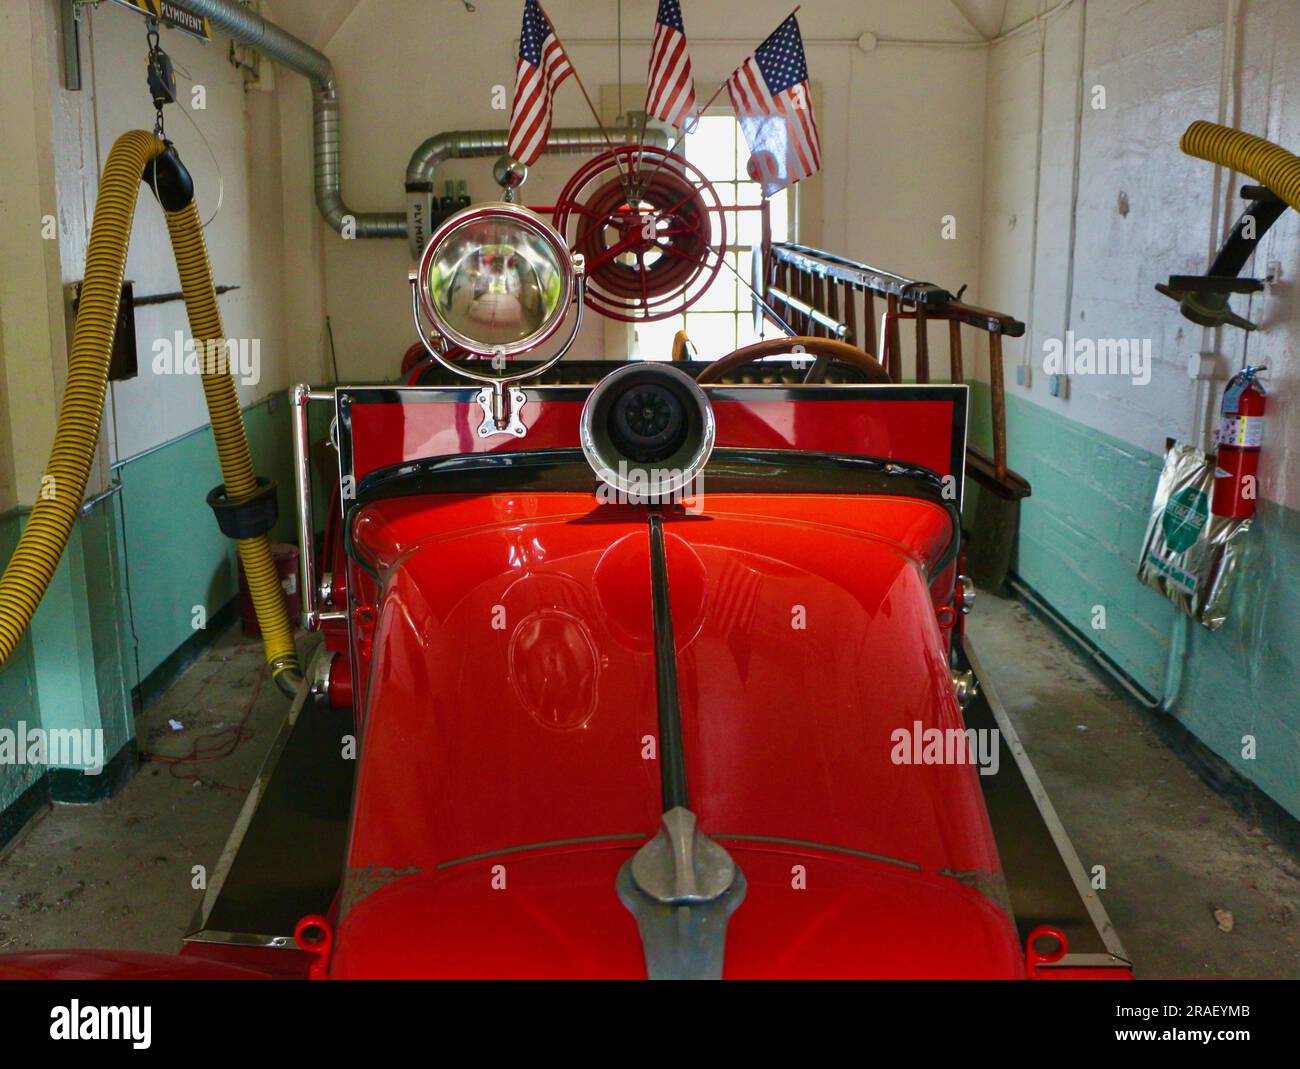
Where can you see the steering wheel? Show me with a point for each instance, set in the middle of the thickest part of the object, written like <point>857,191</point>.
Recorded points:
<point>824,349</point>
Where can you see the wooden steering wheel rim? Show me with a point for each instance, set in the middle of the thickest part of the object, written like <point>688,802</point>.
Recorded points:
<point>825,349</point>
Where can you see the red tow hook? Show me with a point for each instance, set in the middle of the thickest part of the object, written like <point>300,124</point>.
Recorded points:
<point>314,935</point>
<point>1035,957</point>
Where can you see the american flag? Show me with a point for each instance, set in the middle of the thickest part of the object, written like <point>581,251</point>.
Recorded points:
<point>670,89</point>
<point>543,65</point>
<point>774,106</point>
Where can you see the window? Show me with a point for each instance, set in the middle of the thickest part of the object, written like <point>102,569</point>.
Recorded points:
<point>722,320</point>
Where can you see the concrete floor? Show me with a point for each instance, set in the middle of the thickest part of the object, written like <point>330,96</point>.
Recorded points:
<point>120,873</point>
<point>1174,850</point>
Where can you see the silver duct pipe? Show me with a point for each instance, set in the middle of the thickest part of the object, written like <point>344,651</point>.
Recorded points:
<point>250,28</point>
<point>328,179</point>
<point>465,144</point>
<point>470,144</point>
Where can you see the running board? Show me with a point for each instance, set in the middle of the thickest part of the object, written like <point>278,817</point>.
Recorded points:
<point>284,858</point>
<point>1046,881</point>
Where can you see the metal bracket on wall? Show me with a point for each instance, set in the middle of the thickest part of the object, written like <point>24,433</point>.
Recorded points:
<point>1203,299</point>
<point>501,405</point>
<point>173,15</point>
<point>176,295</point>
<point>70,41</point>
<point>122,359</point>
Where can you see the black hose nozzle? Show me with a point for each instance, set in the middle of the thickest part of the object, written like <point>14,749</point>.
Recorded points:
<point>169,179</point>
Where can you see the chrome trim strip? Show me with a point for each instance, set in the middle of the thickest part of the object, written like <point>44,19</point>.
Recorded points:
<point>300,395</point>
<point>309,585</point>
<point>540,846</point>
<point>805,844</point>
<point>244,939</point>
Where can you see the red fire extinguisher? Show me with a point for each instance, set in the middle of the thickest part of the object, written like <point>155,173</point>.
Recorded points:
<point>1241,436</point>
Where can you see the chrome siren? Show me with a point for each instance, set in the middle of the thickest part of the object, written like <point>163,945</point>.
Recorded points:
<point>647,431</point>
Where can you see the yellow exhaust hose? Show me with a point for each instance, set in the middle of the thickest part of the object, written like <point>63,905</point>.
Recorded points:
<point>209,335</point>
<point>1267,163</point>
<point>45,536</point>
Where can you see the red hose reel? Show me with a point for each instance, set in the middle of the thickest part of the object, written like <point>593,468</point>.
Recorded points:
<point>651,228</point>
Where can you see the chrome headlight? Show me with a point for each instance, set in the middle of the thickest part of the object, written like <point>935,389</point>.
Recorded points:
<point>495,280</point>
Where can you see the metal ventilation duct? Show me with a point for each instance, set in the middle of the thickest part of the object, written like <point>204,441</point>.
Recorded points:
<point>250,28</point>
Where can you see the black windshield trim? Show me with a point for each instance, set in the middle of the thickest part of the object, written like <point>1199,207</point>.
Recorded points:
<point>729,471</point>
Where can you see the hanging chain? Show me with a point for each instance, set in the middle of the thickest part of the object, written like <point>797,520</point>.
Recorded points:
<point>161,77</point>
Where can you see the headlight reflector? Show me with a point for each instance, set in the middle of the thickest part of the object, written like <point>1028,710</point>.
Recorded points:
<point>495,279</point>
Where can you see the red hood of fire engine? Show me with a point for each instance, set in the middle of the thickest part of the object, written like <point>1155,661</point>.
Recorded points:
<point>506,768</point>
<point>557,917</point>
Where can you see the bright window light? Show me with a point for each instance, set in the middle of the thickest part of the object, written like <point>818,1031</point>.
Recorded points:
<point>722,320</point>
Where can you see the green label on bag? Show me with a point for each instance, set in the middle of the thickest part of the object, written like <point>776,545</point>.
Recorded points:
<point>1184,519</point>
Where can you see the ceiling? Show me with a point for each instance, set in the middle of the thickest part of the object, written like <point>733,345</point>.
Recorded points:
<point>318,21</point>
<point>985,16</point>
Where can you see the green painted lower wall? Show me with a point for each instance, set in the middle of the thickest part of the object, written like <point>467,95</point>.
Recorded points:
<point>124,595</point>
<point>70,670</point>
<point>17,687</point>
<point>175,557</point>
<point>1080,535</point>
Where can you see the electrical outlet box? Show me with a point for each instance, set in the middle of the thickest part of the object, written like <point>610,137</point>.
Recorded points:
<point>1022,375</point>
<point>1058,386</point>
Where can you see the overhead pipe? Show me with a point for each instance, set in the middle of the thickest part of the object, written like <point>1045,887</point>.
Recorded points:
<point>471,144</point>
<point>249,28</point>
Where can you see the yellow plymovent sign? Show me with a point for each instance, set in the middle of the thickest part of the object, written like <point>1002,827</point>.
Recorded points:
<point>173,15</point>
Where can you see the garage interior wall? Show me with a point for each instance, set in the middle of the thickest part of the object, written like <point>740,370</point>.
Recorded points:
<point>147,571</point>
<point>1139,211</point>
<point>124,602</point>
<point>927,120</point>
<point>900,128</point>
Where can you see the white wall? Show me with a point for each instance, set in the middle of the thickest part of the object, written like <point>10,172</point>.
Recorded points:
<point>901,129</point>
<point>245,240</point>
<point>1160,63</point>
